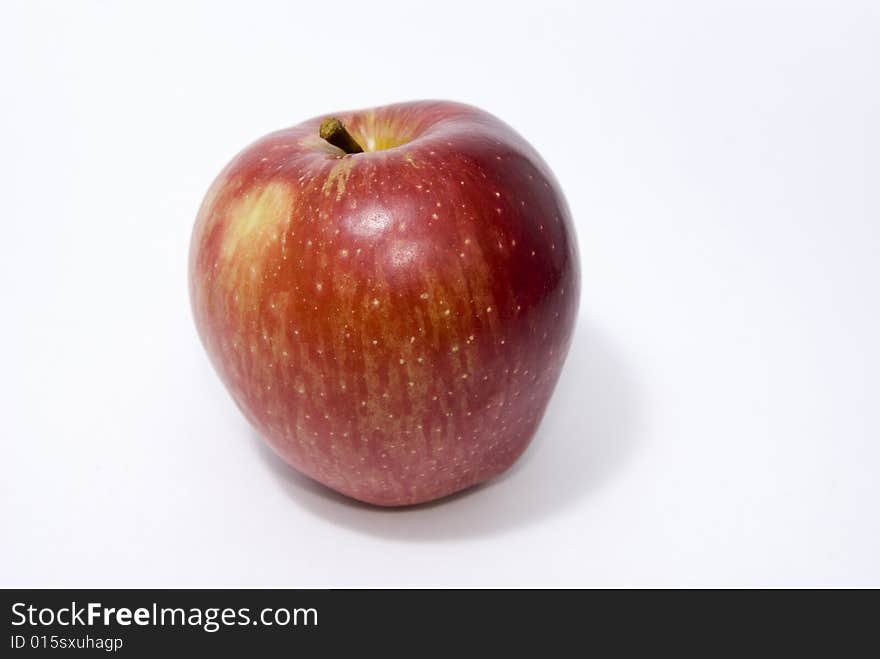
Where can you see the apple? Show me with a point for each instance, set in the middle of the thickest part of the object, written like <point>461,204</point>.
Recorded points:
<point>389,296</point>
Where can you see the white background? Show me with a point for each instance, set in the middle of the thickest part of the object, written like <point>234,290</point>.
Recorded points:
<point>718,420</point>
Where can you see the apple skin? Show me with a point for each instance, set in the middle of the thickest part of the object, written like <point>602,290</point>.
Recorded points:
<point>392,322</point>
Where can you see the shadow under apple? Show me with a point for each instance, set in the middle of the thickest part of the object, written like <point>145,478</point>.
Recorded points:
<point>587,435</point>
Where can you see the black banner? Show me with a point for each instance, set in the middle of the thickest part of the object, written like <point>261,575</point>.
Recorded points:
<point>398,623</point>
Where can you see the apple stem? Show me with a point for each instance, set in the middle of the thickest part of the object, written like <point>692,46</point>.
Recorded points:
<point>334,132</point>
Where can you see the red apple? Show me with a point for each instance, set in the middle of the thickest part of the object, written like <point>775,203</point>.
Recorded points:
<point>392,321</point>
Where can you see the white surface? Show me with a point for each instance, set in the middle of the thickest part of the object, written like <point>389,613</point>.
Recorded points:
<point>718,420</point>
